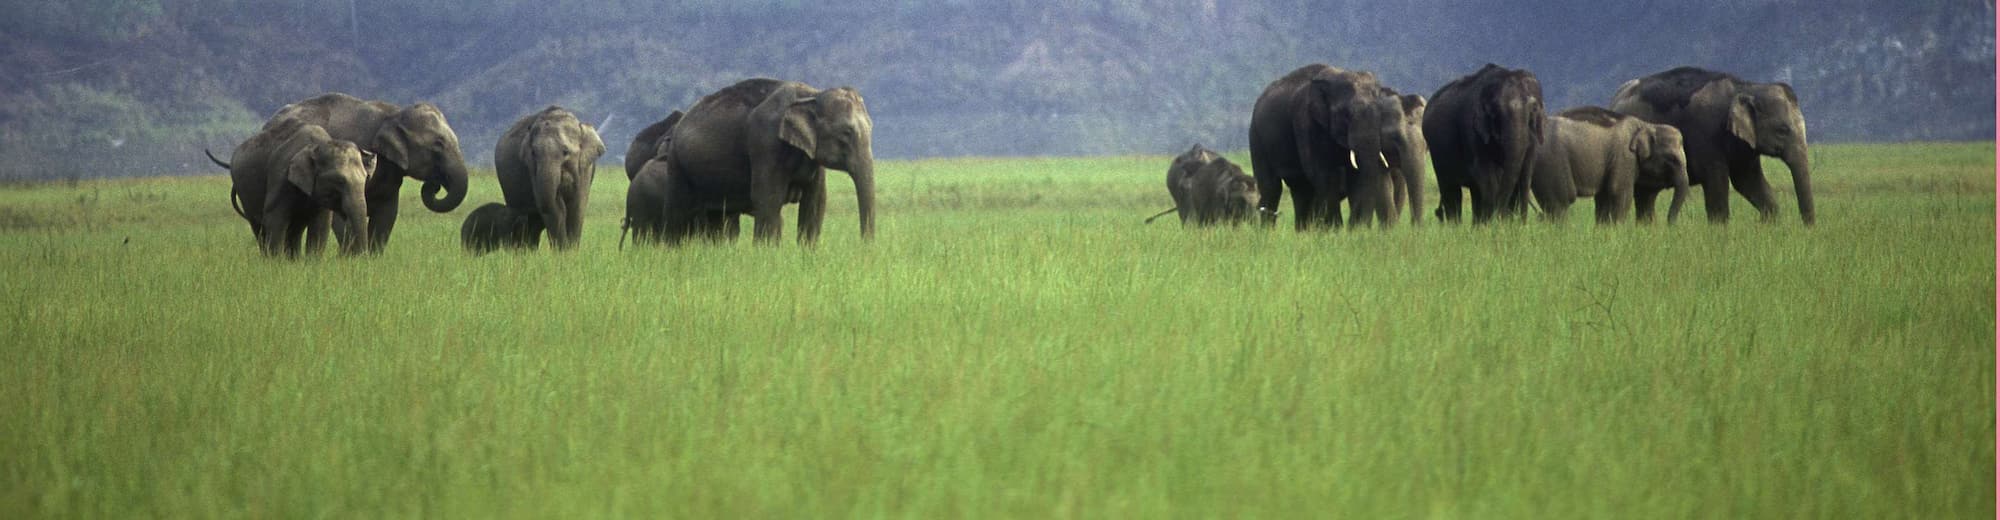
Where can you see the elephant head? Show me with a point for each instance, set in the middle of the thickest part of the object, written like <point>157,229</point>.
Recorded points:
<point>1366,121</point>
<point>833,129</point>
<point>1766,118</point>
<point>1238,191</point>
<point>1662,156</point>
<point>334,174</point>
<point>418,141</point>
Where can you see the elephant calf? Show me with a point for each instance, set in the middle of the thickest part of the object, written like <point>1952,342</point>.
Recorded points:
<point>494,226</point>
<point>292,175</point>
<point>1592,151</point>
<point>1209,190</point>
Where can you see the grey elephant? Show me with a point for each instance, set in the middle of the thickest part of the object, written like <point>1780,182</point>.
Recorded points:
<point>546,163</point>
<point>292,174</point>
<point>1410,172</point>
<point>1483,130</point>
<point>649,143</point>
<point>760,144</point>
<point>413,141</point>
<point>1727,123</point>
<point>647,210</point>
<point>493,226</point>
<point>1208,189</point>
<point>1594,152</point>
<point>1332,135</point>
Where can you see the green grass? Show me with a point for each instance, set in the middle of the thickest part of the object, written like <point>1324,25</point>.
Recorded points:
<point>1016,344</point>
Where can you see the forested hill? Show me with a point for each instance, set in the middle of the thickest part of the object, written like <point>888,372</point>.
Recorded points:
<point>137,87</point>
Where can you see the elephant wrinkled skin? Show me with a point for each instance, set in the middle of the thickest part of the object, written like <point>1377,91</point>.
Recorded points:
<point>1727,123</point>
<point>1483,130</point>
<point>758,145</point>
<point>1332,135</point>
<point>413,141</point>
<point>292,174</point>
<point>546,163</point>
<point>1594,152</point>
<point>1208,189</point>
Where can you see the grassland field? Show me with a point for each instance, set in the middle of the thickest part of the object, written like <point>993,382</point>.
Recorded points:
<point>1015,343</point>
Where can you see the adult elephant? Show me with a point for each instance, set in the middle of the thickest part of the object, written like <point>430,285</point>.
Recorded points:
<point>1613,157</point>
<point>1483,130</point>
<point>1331,134</point>
<point>1208,189</point>
<point>546,163</point>
<point>292,174</point>
<point>760,144</point>
<point>1410,172</point>
<point>649,143</point>
<point>413,141</point>
<point>1727,123</point>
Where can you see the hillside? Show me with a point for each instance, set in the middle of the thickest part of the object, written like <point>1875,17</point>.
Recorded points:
<point>137,87</point>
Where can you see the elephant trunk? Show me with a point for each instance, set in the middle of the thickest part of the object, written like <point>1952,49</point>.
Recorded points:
<point>1795,158</point>
<point>1680,180</point>
<point>356,215</point>
<point>452,182</point>
<point>863,172</point>
<point>1413,181</point>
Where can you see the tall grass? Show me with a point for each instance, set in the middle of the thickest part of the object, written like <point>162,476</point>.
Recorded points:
<point>1014,343</point>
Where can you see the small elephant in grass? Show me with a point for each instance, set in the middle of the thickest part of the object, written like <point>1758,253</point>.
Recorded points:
<point>291,175</point>
<point>1209,190</point>
<point>494,226</point>
<point>1593,151</point>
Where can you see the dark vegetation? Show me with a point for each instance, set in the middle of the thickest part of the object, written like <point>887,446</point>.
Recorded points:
<point>92,88</point>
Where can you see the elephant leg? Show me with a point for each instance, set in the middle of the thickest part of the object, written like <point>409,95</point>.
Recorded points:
<point>1305,207</point>
<point>1613,204</point>
<point>575,209</point>
<point>1642,201</point>
<point>318,227</point>
<point>812,212</point>
<point>294,236</point>
<point>382,204</point>
<point>1715,195</point>
<point>1747,174</point>
<point>1451,201</point>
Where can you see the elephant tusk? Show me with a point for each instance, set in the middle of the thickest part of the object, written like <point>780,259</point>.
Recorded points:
<point>1384,158</point>
<point>1351,163</point>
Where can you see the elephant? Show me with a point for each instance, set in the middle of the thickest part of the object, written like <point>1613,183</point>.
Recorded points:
<point>646,210</point>
<point>413,142</point>
<point>546,163</point>
<point>292,174</point>
<point>1727,123</point>
<point>1483,130</point>
<point>1332,135</point>
<point>1209,190</point>
<point>1408,174</point>
<point>494,226</point>
<point>650,142</point>
<point>1592,151</point>
<point>760,144</point>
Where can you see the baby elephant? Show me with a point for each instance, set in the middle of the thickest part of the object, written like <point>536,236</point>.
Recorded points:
<point>494,226</point>
<point>1591,151</point>
<point>1209,190</point>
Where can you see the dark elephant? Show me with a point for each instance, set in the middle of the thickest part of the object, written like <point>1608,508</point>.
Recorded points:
<point>1331,135</point>
<point>291,174</point>
<point>1483,130</point>
<point>494,226</point>
<point>1594,152</point>
<point>1727,123</point>
<point>546,163</point>
<point>413,142</point>
<point>647,210</point>
<point>650,142</point>
<point>760,144</point>
<point>1208,189</point>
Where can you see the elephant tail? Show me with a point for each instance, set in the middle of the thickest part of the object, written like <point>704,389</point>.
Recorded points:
<point>236,201</point>
<point>1149,220</point>
<point>211,157</point>
<point>624,228</point>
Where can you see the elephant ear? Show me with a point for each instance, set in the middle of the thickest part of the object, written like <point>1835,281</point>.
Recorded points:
<point>1642,144</point>
<point>392,142</point>
<point>795,128</point>
<point>299,170</point>
<point>1331,107</point>
<point>1743,118</point>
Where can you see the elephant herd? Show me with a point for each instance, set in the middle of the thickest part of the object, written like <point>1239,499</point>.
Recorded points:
<point>334,164</point>
<point>1334,136</point>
